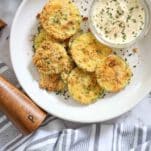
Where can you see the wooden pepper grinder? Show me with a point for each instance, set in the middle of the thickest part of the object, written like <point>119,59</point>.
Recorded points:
<point>23,113</point>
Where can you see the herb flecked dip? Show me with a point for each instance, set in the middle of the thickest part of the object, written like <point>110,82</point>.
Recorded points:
<point>118,21</point>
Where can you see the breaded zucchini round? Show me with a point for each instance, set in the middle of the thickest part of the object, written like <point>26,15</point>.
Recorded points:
<point>60,18</point>
<point>51,58</point>
<point>83,87</point>
<point>51,82</point>
<point>65,74</point>
<point>86,51</point>
<point>42,36</point>
<point>113,73</point>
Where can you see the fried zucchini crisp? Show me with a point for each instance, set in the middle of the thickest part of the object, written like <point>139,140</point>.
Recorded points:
<point>113,73</point>
<point>87,52</point>
<point>51,58</point>
<point>83,87</point>
<point>60,18</point>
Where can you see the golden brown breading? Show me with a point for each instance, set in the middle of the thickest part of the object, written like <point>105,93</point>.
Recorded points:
<point>51,82</point>
<point>87,52</point>
<point>42,36</point>
<point>113,73</point>
<point>60,18</point>
<point>83,87</point>
<point>65,74</point>
<point>51,58</point>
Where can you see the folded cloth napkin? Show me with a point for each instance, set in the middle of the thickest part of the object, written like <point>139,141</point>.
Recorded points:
<point>59,135</point>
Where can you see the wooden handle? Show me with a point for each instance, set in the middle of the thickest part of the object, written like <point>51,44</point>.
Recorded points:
<point>23,113</point>
<point>2,24</point>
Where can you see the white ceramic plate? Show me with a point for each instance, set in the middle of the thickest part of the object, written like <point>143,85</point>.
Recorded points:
<point>25,25</point>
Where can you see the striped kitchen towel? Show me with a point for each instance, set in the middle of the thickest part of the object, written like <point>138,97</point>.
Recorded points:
<point>59,135</point>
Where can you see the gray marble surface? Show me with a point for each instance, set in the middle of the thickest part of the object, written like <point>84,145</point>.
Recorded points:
<point>8,8</point>
<point>7,12</point>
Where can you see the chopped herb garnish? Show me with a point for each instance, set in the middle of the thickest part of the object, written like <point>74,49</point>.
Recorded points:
<point>128,18</point>
<point>134,66</point>
<point>131,9</point>
<point>115,35</point>
<point>134,20</point>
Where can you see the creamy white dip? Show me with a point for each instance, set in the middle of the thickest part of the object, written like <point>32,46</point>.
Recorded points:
<point>118,21</point>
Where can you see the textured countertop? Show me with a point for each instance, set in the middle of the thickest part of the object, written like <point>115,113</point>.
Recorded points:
<point>8,8</point>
